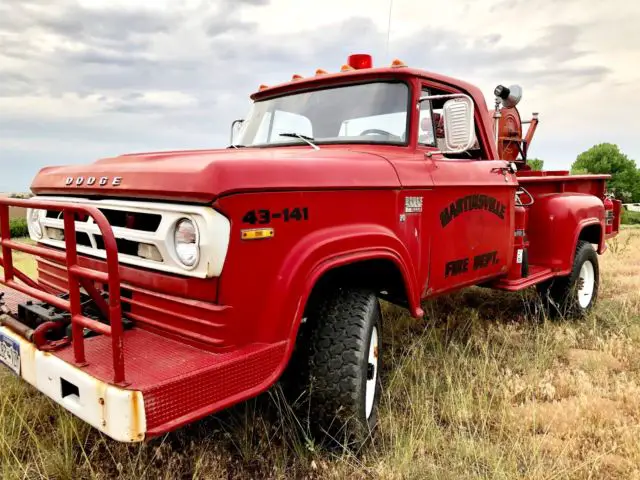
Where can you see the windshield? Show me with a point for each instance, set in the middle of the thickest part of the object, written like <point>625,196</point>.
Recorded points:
<point>366,113</point>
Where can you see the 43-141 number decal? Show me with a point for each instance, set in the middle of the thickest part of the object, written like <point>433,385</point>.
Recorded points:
<point>263,217</point>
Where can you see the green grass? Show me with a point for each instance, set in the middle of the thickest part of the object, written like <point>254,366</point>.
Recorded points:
<point>18,227</point>
<point>485,387</point>
<point>630,218</point>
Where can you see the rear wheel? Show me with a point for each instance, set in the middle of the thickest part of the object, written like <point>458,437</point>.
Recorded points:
<point>575,294</point>
<point>344,365</point>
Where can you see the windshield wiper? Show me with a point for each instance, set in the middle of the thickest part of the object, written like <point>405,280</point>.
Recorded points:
<point>236,146</point>
<point>304,138</point>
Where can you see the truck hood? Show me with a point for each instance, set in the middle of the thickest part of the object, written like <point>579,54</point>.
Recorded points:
<point>201,176</point>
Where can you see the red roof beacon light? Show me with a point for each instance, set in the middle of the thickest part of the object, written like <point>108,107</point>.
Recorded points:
<point>360,61</point>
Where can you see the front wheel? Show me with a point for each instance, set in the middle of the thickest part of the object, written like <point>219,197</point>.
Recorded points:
<point>344,365</point>
<point>575,294</point>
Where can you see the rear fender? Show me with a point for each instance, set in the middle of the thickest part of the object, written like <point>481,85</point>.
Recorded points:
<point>555,223</point>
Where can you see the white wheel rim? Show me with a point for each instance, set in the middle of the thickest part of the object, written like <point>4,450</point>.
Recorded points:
<point>586,284</point>
<point>372,372</point>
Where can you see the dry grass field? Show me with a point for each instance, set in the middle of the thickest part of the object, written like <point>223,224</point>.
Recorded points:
<point>24,262</point>
<point>486,387</point>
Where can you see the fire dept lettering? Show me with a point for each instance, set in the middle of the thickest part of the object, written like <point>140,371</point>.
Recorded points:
<point>460,266</point>
<point>456,267</point>
<point>485,260</point>
<point>472,202</point>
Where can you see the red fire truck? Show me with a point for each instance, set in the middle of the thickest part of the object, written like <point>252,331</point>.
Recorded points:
<point>172,285</point>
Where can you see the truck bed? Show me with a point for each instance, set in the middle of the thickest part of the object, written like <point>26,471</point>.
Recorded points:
<point>541,182</point>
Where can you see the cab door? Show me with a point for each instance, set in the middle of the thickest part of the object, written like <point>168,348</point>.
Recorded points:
<point>470,217</point>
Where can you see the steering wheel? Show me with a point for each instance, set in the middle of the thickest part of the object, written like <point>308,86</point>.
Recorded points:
<point>376,131</point>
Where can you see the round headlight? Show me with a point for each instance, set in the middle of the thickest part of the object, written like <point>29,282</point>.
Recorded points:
<point>186,241</point>
<point>33,221</point>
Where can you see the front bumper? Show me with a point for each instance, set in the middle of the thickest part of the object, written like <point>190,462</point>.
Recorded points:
<point>116,412</point>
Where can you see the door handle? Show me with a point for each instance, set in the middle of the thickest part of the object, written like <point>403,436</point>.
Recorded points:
<point>510,168</point>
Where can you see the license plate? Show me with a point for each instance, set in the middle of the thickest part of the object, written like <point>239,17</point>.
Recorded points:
<point>10,353</point>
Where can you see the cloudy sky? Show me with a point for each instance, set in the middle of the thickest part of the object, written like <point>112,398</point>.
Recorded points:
<point>85,79</point>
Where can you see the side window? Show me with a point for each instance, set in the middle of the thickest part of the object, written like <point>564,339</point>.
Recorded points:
<point>438,127</point>
<point>426,128</point>
<point>431,125</point>
<point>286,122</point>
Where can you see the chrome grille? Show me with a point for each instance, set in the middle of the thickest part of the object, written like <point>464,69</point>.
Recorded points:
<point>144,234</point>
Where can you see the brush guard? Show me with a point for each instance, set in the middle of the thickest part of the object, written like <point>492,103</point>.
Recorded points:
<point>78,277</point>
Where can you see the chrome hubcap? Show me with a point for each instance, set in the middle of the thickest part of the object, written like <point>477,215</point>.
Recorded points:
<point>372,372</point>
<point>586,284</point>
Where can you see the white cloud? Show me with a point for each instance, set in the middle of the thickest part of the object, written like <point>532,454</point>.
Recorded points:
<point>87,78</point>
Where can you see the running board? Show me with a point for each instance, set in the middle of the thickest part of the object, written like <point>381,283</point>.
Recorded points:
<point>536,275</point>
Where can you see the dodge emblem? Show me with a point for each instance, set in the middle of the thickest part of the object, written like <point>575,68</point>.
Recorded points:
<point>91,181</point>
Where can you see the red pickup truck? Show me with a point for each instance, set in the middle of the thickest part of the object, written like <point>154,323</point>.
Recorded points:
<point>172,285</point>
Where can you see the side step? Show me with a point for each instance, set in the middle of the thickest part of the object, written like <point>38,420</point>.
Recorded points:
<point>536,275</point>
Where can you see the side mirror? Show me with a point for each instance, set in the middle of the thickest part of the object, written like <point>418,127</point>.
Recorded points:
<point>459,131</point>
<point>459,126</point>
<point>236,126</point>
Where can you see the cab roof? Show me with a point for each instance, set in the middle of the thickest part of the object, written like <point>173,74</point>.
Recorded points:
<point>398,73</point>
<point>365,74</point>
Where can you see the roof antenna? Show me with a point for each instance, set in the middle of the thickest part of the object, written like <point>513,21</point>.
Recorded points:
<point>389,27</point>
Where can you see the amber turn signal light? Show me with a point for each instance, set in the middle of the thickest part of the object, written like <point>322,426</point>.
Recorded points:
<point>257,233</point>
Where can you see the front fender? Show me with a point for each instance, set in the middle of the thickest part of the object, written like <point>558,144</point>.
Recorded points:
<point>555,223</point>
<point>328,248</point>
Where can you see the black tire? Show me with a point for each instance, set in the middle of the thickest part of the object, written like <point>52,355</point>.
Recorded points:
<point>338,368</point>
<point>564,296</point>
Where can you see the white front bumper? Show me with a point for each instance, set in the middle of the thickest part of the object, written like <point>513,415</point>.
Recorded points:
<point>114,411</point>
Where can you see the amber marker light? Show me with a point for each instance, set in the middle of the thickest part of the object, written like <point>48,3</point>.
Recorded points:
<point>257,233</point>
<point>398,63</point>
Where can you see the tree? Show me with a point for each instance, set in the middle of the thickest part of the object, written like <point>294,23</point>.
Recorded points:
<point>607,158</point>
<point>535,163</point>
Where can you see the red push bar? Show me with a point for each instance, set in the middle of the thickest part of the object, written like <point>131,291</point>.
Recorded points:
<point>76,275</point>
